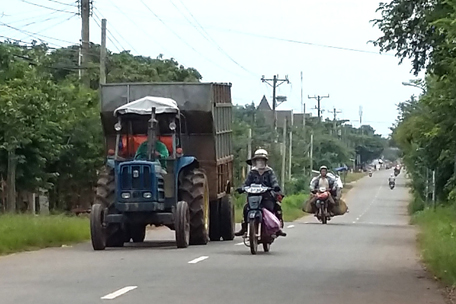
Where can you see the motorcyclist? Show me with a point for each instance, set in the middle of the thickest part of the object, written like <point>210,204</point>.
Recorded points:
<point>262,174</point>
<point>323,180</point>
<point>392,179</point>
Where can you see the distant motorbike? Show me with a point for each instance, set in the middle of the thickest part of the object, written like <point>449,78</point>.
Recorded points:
<point>392,185</point>
<point>396,172</point>
<point>322,205</point>
<point>370,174</point>
<point>262,223</point>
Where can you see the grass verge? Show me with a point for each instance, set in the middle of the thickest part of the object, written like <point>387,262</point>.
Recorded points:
<point>351,177</point>
<point>291,206</point>
<point>437,241</point>
<point>28,232</point>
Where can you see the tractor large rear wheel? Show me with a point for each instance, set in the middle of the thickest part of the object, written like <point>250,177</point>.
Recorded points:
<point>105,196</point>
<point>194,189</point>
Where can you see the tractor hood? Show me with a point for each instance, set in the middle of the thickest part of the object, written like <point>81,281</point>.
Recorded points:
<point>143,106</point>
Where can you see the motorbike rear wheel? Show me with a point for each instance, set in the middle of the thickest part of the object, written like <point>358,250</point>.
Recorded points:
<point>253,239</point>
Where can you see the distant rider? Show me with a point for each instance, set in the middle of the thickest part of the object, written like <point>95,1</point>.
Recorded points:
<point>261,174</point>
<point>392,179</point>
<point>323,180</point>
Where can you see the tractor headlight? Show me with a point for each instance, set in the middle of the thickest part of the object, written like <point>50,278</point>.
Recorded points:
<point>147,195</point>
<point>135,173</point>
<point>126,195</point>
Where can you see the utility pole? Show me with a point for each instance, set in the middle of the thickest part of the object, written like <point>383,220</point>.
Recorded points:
<point>335,111</point>
<point>318,98</point>
<point>290,153</point>
<point>284,154</point>
<point>103,52</point>
<point>249,147</point>
<point>85,39</point>
<point>360,116</point>
<point>303,109</point>
<point>276,82</point>
<point>433,190</point>
<point>311,151</point>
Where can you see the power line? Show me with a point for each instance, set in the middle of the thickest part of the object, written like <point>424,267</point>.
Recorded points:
<point>180,38</point>
<point>302,42</point>
<point>132,47</point>
<point>114,44</point>
<point>58,2</point>
<point>140,28</point>
<point>54,25</point>
<point>206,35</point>
<point>47,7</point>
<point>31,34</point>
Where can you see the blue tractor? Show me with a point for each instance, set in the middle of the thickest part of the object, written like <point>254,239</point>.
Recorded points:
<point>136,190</point>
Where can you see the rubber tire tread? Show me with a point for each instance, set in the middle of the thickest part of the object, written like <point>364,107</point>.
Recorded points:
<point>191,190</point>
<point>106,196</point>
<point>182,215</point>
<point>253,240</point>
<point>97,232</point>
<point>227,224</point>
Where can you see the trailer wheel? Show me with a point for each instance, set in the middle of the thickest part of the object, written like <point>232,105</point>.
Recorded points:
<point>182,225</point>
<point>194,190</point>
<point>227,218</point>
<point>214,221</point>
<point>97,227</point>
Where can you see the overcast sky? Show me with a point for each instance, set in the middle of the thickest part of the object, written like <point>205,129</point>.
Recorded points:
<point>234,41</point>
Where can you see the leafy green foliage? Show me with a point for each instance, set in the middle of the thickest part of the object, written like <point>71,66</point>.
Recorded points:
<point>50,125</point>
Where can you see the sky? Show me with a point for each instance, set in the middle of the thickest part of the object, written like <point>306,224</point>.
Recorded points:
<point>239,42</point>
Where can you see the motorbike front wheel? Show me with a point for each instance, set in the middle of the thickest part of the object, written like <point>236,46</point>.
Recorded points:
<point>324,218</point>
<point>253,239</point>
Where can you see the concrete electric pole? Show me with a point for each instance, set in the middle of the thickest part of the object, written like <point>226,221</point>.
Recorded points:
<point>274,83</point>
<point>318,98</point>
<point>85,11</point>
<point>103,52</point>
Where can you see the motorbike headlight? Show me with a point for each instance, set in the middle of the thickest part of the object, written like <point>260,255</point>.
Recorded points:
<point>147,195</point>
<point>126,195</point>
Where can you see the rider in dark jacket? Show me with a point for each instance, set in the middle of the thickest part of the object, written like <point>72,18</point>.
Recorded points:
<point>262,174</point>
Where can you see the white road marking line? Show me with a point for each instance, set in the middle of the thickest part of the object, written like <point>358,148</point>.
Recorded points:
<point>291,226</point>
<point>118,293</point>
<point>354,222</point>
<point>371,203</point>
<point>239,244</point>
<point>202,258</point>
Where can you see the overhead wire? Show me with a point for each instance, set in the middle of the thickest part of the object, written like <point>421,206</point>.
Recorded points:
<point>141,28</point>
<point>47,7</point>
<point>35,34</point>
<point>208,37</point>
<point>184,41</point>
<point>302,42</point>
<point>109,38</point>
<point>132,47</point>
<point>62,3</point>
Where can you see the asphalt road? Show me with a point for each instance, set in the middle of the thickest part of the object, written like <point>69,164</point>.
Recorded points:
<point>366,256</point>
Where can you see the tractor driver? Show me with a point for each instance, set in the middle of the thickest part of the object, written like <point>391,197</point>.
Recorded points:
<point>161,151</point>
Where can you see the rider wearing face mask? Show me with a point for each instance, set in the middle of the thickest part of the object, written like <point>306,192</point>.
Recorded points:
<point>262,174</point>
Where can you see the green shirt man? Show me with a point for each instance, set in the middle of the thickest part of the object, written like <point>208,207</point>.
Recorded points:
<point>161,152</point>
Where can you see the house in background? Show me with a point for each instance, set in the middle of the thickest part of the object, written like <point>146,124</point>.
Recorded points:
<point>292,118</point>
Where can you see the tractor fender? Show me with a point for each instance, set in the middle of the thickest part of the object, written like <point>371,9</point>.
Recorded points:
<point>184,162</point>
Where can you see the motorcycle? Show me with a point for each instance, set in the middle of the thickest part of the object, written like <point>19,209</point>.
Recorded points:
<point>322,205</point>
<point>370,174</point>
<point>392,185</point>
<point>262,223</point>
<point>396,172</point>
